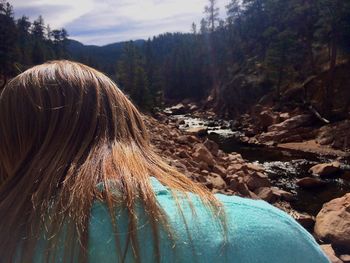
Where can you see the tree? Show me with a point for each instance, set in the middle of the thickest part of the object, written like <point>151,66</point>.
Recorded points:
<point>234,11</point>
<point>305,15</point>
<point>256,23</point>
<point>212,13</point>
<point>132,77</point>
<point>38,32</point>
<point>59,39</point>
<point>204,26</point>
<point>48,32</point>
<point>24,25</point>
<point>38,55</point>
<point>23,43</point>
<point>333,14</point>
<point>8,40</point>
<point>24,40</point>
<point>38,28</point>
<point>279,57</point>
<point>194,28</point>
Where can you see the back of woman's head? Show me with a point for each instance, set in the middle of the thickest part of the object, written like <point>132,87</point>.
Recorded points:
<point>64,128</point>
<point>62,109</point>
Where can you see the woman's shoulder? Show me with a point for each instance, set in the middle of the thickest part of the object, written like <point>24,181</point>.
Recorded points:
<point>267,233</point>
<point>256,230</point>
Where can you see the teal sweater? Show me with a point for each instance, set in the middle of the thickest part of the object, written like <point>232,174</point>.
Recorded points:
<point>256,232</point>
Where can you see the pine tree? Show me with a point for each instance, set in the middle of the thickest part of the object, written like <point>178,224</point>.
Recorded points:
<point>48,35</point>
<point>234,11</point>
<point>204,26</point>
<point>24,40</point>
<point>305,15</point>
<point>212,12</point>
<point>132,77</point>
<point>38,32</point>
<point>8,40</point>
<point>38,29</point>
<point>279,58</point>
<point>194,28</point>
<point>333,23</point>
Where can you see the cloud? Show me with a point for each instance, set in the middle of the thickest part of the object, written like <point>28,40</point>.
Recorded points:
<point>134,31</point>
<point>105,21</point>
<point>55,13</point>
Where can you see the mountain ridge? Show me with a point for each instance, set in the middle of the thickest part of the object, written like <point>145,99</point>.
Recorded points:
<point>104,57</point>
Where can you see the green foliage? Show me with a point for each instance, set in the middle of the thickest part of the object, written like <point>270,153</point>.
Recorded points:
<point>8,37</point>
<point>334,22</point>
<point>212,13</point>
<point>23,44</point>
<point>132,76</point>
<point>280,41</point>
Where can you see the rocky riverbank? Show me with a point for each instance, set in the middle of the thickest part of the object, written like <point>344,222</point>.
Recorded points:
<point>297,129</point>
<point>201,160</point>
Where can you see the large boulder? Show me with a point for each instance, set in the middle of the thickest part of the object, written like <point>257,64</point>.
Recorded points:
<point>253,167</point>
<point>266,194</point>
<point>292,123</point>
<point>267,118</point>
<point>284,116</point>
<point>183,154</point>
<point>329,251</point>
<point>212,146</point>
<point>234,158</point>
<point>220,170</point>
<point>337,135</point>
<point>186,139</point>
<point>274,136</point>
<point>345,258</point>
<point>216,181</point>
<point>305,220</point>
<point>325,138</point>
<point>283,195</point>
<point>286,135</point>
<point>333,222</point>
<point>235,167</point>
<point>256,180</point>
<point>310,182</point>
<point>199,131</point>
<point>177,109</point>
<point>192,107</point>
<point>325,169</point>
<point>202,154</point>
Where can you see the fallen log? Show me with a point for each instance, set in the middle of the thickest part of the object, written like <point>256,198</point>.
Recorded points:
<point>318,115</point>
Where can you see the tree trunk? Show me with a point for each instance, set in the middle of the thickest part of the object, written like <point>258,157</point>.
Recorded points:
<point>310,52</point>
<point>329,89</point>
<point>280,73</point>
<point>213,69</point>
<point>279,82</point>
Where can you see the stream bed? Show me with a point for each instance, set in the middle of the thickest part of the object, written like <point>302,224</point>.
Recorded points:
<point>284,167</point>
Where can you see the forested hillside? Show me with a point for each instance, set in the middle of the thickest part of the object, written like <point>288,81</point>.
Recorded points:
<point>262,46</point>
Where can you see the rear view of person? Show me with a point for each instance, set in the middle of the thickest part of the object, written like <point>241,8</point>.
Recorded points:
<point>80,182</point>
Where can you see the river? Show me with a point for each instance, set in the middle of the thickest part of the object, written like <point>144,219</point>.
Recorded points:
<point>284,167</point>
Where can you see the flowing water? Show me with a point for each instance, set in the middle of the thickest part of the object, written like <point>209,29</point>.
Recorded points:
<point>284,167</point>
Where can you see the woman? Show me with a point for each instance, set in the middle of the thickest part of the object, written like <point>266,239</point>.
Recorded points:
<point>79,182</point>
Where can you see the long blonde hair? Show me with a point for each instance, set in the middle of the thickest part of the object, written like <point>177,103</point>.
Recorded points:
<point>64,128</point>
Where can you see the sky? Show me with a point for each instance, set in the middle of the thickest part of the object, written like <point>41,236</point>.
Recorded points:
<point>100,22</point>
